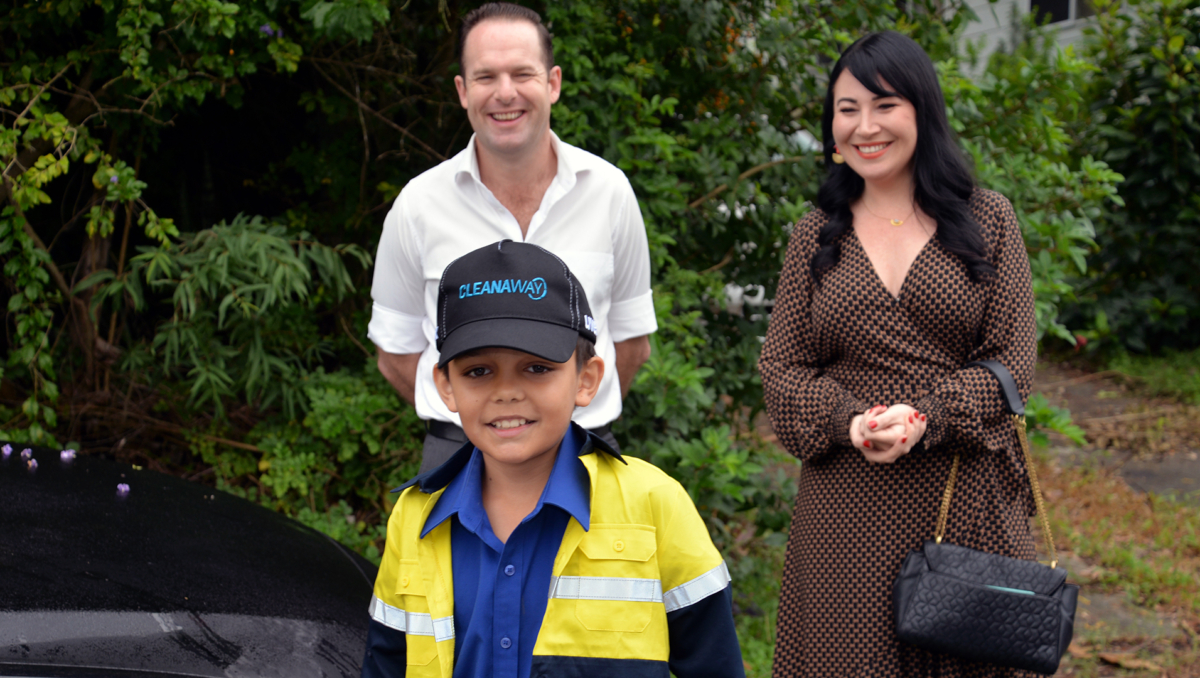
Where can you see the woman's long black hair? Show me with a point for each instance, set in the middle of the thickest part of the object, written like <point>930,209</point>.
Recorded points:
<point>942,178</point>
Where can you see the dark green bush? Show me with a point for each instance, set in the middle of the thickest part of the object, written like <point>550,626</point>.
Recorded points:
<point>1145,95</point>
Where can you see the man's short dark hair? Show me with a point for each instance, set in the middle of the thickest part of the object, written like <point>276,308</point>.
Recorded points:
<point>504,11</point>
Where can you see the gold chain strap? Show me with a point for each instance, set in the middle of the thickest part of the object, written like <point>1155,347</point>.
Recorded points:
<point>944,512</point>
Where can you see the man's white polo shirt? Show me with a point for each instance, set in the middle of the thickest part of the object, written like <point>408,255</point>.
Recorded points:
<point>589,217</point>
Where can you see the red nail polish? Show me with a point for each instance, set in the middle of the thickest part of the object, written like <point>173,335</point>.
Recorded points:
<point>922,417</point>
<point>904,439</point>
<point>910,420</point>
<point>872,423</point>
<point>867,444</point>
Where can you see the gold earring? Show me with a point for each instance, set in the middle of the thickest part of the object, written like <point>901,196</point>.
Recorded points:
<point>837,157</point>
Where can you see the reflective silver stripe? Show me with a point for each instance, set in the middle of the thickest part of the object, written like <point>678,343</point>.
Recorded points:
<point>689,593</point>
<point>606,588</point>
<point>412,623</point>
<point>443,629</point>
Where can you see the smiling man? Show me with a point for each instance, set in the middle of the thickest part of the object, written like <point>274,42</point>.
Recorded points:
<point>515,180</point>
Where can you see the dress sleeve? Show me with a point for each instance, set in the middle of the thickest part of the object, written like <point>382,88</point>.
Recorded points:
<point>965,405</point>
<point>809,411</point>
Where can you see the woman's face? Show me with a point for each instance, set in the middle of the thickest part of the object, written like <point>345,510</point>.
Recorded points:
<point>877,135</point>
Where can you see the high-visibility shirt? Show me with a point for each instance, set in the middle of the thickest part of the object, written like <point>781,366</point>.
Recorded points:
<point>642,593</point>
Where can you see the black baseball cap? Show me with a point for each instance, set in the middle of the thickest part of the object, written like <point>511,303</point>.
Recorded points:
<point>511,295</point>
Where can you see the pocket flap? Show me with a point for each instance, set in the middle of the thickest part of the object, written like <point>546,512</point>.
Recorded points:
<point>627,542</point>
<point>408,579</point>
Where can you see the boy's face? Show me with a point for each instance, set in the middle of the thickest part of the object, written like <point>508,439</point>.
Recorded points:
<point>516,407</point>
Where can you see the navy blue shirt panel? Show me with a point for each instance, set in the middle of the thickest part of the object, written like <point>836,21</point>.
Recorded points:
<point>501,588</point>
<point>387,652</point>
<point>704,640</point>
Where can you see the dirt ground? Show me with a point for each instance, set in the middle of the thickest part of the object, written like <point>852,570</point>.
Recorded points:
<point>1140,450</point>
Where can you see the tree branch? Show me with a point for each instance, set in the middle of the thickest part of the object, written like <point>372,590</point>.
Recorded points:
<point>375,113</point>
<point>742,177</point>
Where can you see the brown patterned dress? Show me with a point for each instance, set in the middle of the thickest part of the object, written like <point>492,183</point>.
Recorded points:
<point>834,349</point>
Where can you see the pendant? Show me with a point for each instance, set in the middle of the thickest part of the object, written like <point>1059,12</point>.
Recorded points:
<point>897,222</point>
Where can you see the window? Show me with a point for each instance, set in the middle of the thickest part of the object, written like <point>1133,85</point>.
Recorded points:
<point>1056,11</point>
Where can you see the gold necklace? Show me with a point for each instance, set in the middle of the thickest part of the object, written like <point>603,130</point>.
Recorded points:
<point>894,222</point>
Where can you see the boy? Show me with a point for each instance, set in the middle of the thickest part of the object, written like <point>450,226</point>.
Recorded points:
<point>535,504</point>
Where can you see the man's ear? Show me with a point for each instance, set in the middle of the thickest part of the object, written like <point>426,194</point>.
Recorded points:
<point>461,86</point>
<point>441,380</point>
<point>589,381</point>
<point>553,79</point>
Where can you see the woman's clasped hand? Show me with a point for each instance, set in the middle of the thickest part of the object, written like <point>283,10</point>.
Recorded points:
<point>884,434</point>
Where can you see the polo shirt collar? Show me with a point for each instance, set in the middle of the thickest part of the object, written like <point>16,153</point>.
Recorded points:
<point>568,488</point>
<point>565,175</point>
<point>436,478</point>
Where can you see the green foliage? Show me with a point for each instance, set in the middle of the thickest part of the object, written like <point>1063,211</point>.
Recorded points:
<point>1041,417</point>
<point>1174,374</point>
<point>347,18</point>
<point>1146,95</point>
<point>1016,121</point>
<point>356,442</point>
<point>242,295</point>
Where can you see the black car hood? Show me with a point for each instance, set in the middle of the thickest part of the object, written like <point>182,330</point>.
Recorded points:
<point>173,577</point>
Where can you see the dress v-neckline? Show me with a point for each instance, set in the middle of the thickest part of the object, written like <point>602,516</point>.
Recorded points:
<point>907,273</point>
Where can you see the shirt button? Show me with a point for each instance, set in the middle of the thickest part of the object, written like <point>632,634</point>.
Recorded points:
<point>404,582</point>
<point>618,546</point>
<point>505,643</point>
<point>510,570</point>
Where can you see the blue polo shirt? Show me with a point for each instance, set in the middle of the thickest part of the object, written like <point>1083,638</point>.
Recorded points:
<point>501,589</point>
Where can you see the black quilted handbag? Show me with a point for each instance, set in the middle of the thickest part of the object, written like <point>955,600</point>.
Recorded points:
<point>981,606</point>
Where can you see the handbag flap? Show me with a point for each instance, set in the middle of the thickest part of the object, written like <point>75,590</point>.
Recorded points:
<point>989,569</point>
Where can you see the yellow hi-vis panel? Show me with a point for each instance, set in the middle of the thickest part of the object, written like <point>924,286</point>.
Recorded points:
<point>647,553</point>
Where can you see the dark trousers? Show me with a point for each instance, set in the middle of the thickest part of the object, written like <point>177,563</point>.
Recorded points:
<point>443,439</point>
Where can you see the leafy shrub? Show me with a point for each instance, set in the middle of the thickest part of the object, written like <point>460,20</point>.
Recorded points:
<point>1146,95</point>
<point>1018,120</point>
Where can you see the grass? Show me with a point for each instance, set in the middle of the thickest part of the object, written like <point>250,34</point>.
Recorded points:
<point>1144,546</point>
<point>756,586</point>
<point>1147,546</point>
<point>1175,374</point>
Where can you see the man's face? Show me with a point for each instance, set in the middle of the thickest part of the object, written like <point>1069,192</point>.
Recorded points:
<point>506,88</point>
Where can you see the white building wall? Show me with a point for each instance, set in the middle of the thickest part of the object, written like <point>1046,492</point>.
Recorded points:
<point>994,28</point>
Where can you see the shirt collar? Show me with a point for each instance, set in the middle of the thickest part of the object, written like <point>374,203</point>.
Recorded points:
<point>565,174</point>
<point>568,488</point>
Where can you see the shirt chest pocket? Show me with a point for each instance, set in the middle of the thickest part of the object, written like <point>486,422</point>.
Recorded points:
<point>420,629</point>
<point>618,587</point>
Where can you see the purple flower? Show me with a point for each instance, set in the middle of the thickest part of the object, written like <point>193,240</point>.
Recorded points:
<point>32,464</point>
<point>265,28</point>
<point>113,179</point>
<point>122,489</point>
<point>7,450</point>
<point>26,454</point>
<point>67,455</point>
<point>279,33</point>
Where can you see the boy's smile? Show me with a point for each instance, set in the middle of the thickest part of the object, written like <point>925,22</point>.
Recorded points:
<point>516,407</point>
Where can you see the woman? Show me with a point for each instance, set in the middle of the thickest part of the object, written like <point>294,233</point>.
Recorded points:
<point>906,273</point>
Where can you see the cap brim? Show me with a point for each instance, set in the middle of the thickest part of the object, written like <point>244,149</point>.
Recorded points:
<point>544,340</point>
